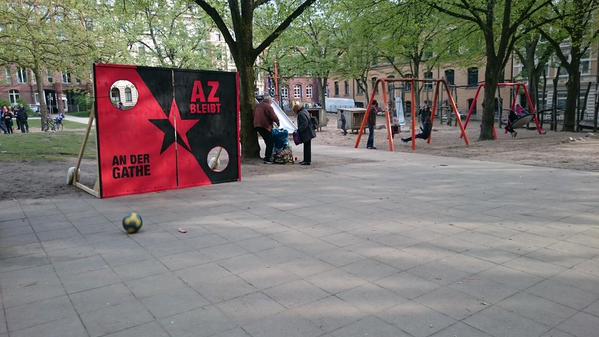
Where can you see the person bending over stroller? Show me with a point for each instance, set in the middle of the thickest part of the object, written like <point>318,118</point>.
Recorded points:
<point>425,131</point>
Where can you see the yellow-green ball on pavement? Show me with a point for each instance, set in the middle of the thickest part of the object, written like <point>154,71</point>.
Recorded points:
<point>132,223</point>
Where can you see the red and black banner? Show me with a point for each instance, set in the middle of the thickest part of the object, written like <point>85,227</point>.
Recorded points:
<point>161,129</point>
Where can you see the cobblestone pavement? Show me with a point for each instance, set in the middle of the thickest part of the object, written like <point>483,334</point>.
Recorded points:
<point>401,245</point>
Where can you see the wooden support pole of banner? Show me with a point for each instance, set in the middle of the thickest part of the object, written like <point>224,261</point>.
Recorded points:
<point>95,191</point>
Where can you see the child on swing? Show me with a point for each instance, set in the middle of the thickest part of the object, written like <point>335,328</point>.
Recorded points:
<point>425,128</point>
<point>514,115</point>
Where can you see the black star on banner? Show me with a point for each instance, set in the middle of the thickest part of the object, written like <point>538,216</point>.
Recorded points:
<point>169,134</point>
<point>166,126</point>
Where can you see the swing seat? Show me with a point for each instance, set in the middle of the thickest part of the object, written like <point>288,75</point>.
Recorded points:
<point>521,121</point>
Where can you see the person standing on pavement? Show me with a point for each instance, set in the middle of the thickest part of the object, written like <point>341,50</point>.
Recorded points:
<point>2,126</point>
<point>8,115</point>
<point>374,109</point>
<point>264,119</point>
<point>16,114</point>
<point>22,119</point>
<point>306,130</point>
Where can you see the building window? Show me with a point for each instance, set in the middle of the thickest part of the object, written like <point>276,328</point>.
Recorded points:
<point>473,77</point>
<point>115,95</point>
<point>360,88</point>
<point>407,86</point>
<point>336,88</point>
<point>50,76</point>
<point>408,109</point>
<point>21,75</point>
<point>285,93</point>
<point>374,87</point>
<point>309,91</point>
<point>585,63</point>
<point>13,96</point>
<point>470,102</point>
<point>297,91</point>
<point>7,75</point>
<point>36,98</point>
<point>428,76</point>
<point>391,86</point>
<point>562,97</point>
<point>66,77</point>
<point>346,88</point>
<point>450,76</point>
<point>128,95</point>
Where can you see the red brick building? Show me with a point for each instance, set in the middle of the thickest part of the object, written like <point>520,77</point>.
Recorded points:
<point>304,91</point>
<point>60,88</point>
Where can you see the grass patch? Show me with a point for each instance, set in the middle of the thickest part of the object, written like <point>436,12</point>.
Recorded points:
<point>68,125</point>
<point>45,146</point>
<point>79,114</point>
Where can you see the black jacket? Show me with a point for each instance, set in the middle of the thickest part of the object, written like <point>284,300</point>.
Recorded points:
<point>22,115</point>
<point>372,116</point>
<point>305,127</point>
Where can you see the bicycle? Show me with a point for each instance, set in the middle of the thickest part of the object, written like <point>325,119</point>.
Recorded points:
<point>49,124</point>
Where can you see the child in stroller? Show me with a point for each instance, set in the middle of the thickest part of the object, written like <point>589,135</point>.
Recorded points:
<point>282,153</point>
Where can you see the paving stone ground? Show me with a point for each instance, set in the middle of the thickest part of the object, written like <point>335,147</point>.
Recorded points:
<point>393,244</point>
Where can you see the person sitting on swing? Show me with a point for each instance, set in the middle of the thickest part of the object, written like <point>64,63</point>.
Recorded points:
<point>425,130</point>
<point>514,115</point>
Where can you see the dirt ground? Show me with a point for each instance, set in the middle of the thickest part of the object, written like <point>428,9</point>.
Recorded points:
<point>568,150</point>
<point>577,151</point>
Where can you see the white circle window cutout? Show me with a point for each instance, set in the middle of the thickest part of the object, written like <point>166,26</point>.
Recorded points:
<point>123,95</point>
<point>218,159</point>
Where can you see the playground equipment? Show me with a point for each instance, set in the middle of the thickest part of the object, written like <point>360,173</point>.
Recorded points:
<point>522,119</point>
<point>412,81</point>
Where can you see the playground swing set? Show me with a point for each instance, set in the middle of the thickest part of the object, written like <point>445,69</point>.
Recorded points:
<point>516,119</point>
<point>412,81</point>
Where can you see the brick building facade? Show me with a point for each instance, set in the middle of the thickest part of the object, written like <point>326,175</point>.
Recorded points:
<point>60,88</point>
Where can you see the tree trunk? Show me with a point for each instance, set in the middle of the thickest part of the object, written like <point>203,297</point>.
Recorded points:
<point>416,75</point>
<point>554,100</point>
<point>39,86</point>
<point>573,87</point>
<point>322,82</point>
<point>249,138</point>
<point>533,85</point>
<point>491,80</point>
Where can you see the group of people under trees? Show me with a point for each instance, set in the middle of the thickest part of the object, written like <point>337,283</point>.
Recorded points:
<point>265,119</point>
<point>8,115</point>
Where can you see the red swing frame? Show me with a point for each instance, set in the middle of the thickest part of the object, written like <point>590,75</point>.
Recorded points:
<point>532,108</point>
<point>412,82</point>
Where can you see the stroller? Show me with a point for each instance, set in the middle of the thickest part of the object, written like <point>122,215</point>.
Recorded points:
<point>282,153</point>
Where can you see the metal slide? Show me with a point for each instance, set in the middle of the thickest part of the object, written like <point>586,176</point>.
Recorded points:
<point>284,121</point>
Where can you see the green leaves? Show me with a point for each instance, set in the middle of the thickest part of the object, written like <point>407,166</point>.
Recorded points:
<point>171,33</point>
